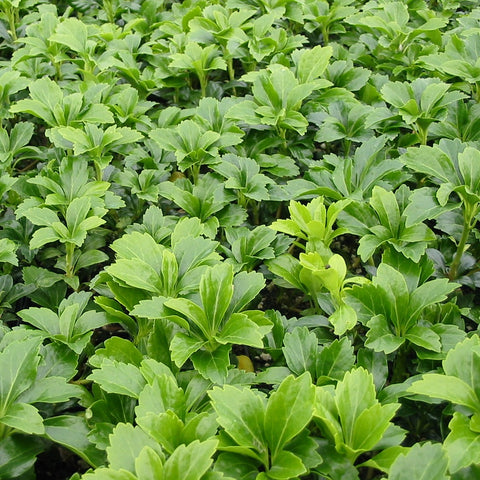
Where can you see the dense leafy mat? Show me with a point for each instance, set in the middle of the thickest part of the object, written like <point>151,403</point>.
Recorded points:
<point>238,239</point>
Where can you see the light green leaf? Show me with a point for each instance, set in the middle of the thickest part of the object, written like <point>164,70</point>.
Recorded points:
<point>241,413</point>
<point>446,387</point>
<point>137,274</point>
<point>239,329</point>
<point>183,346</point>
<point>117,377</point>
<point>18,364</point>
<point>23,417</point>
<point>293,403</point>
<point>126,443</point>
<point>213,365</point>
<point>300,350</point>
<point>462,444</point>
<point>354,394</point>
<point>312,63</point>
<point>148,465</point>
<point>190,462</point>
<point>380,337</point>
<point>335,359</point>
<point>286,465</point>
<point>216,291</point>
<point>422,462</point>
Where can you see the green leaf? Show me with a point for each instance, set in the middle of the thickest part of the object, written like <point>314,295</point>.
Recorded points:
<point>384,460</point>
<point>386,206</point>
<point>23,417</point>
<point>18,364</point>
<point>239,329</point>
<point>136,274</point>
<point>380,337</point>
<point>166,428</point>
<point>447,388</point>
<point>429,293</point>
<point>72,432</point>
<point>117,377</point>
<point>462,444</point>
<point>463,362</point>
<point>148,465</point>
<point>293,402</point>
<point>108,474</point>
<point>371,425</point>
<point>241,412</point>
<point>300,350</point>
<point>183,347</point>
<point>216,291</point>
<point>312,63</point>
<point>126,443</point>
<point>430,161</point>
<point>73,33</point>
<point>422,462</point>
<point>334,360</point>
<point>213,365</point>
<point>162,395</point>
<point>286,465</point>
<point>424,337</point>
<point>18,454</point>
<point>354,394</point>
<point>190,462</point>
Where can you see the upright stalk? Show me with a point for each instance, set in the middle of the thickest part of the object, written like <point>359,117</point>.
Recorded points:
<point>69,260</point>
<point>469,222</point>
<point>12,14</point>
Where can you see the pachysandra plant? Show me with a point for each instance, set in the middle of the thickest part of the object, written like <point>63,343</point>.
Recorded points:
<point>254,441</point>
<point>215,321</point>
<point>453,167</point>
<point>351,417</point>
<point>458,385</point>
<point>384,222</point>
<point>391,307</point>
<point>238,240</point>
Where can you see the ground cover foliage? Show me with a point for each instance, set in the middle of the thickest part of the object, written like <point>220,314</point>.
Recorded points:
<point>239,240</point>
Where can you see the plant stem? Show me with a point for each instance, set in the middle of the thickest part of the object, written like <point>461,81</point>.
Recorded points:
<point>347,145</point>
<point>422,134</point>
<point>69,263</point>
<point>203,83</point>
<point>476,94</point>
<point>468,219</point>
<point>98,171</point>
<point>231,73</point>
<point>400,365</point>
<point>12,14</point>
